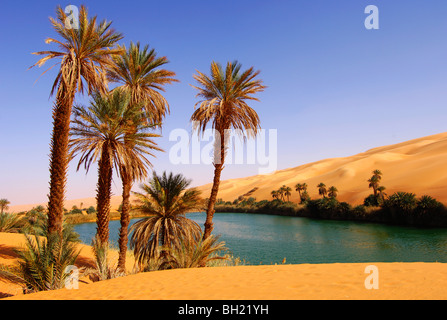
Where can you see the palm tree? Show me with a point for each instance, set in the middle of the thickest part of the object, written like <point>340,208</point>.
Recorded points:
<point>302,187</point>
<point>166,199</point>
<point>374,183</point>
<point>332,192</point>
<point>322,191</point>
<point>85,53</point>
<point>139,73</point>
<point>223,103</point>
<point>274,194</point>
<point>4,205</point>
<point>299,188</point>
<point>99,133</point>
<point>287,192</point>
<point>381,193</point>
<point>194,252</point>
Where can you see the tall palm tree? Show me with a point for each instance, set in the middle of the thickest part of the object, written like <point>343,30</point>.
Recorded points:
<point>167,199</point>
<point>332,192</point>
<point>99,133</point>
<point>322,191</point>
<point>139,73</point>
<point>223,104</point>
<point>85,53</point>
<point>4,205</point>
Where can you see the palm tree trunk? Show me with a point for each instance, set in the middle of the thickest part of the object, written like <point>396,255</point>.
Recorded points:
<point>125,219</point>
<point>218,167</point>
<point>59,162</point>
<point>104,192</point>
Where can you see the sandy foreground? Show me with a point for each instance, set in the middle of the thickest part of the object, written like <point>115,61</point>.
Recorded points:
<point>279,282</point>
<point>416,166</point>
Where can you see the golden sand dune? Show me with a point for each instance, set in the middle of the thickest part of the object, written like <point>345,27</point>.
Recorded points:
<point>418,166</point>
<point>282,282</point>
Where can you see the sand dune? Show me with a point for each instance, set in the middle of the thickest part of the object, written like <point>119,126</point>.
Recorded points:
<point>417,166</point>
<point>274,282</point>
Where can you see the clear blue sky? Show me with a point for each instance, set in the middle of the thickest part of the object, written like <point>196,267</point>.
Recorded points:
<point>334,88</point>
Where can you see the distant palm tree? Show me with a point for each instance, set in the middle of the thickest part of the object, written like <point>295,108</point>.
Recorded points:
<point>274,194</point>
<point>85,54</point>
<point>299,188</point>
<point>374,184</point>
<point>374,181</point>
<point>332,192</point>
<point>322,191</point>
<point>287,192</point>
<point>224,105</point>
<point>4,205</point>
<point>99,133</point>
<point>381,193</point>
<point>138,72</point>
<point>302,187</point>
<point>166,199</point>
<point>281,193</point>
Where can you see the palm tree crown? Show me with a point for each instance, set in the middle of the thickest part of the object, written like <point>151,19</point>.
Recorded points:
<point>138,72</point>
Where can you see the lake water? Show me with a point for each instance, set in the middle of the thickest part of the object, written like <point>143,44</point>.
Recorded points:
<point>268,239</point>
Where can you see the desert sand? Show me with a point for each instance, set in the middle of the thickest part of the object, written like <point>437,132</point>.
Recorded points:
<point>10,241</point>
<point>417,166</point>
<point>275,282</point>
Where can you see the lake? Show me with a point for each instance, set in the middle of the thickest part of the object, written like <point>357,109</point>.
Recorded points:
<point>268,239</point>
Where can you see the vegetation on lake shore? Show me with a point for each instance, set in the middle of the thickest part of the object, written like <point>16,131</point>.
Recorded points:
<point>399,208</point>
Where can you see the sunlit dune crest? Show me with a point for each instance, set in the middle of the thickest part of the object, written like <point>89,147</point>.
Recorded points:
<point>417,166</point>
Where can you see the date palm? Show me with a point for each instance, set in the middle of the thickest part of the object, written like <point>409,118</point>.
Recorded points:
<point>99,134</point>
<point>139,73</point>
<point>287,192</point>
<point>4,205</point>
<point>223,106</point>
<point>332,192</point>
<point>85,53</point>
<point>322,191</point>
<point>166,199</point>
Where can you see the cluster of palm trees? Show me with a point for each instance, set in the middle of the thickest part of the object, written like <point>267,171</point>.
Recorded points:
<point>116,129</point>
<point>282,193</point>
<point>285,192</point>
